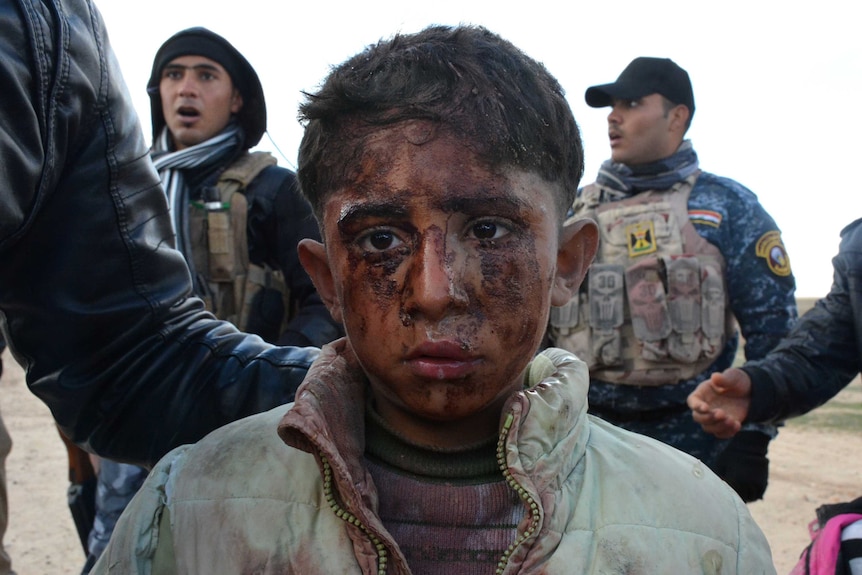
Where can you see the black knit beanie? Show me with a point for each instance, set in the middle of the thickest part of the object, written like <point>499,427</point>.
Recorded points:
<point>202,42</point>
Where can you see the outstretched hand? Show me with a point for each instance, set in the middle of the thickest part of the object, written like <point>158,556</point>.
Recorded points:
<point>720,404</point>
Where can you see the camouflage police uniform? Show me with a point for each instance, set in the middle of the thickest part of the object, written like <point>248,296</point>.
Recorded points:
<point>116,485</point>
<point>760,295</point>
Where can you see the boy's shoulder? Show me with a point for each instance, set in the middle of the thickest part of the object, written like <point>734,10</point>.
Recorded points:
<point>634,501</point>
<point>222,464</point>
<point>675,487</point>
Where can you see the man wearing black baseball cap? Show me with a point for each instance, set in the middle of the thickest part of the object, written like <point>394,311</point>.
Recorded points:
<point>237,216</point>
<point>661,86</point>
<point>687,260</point>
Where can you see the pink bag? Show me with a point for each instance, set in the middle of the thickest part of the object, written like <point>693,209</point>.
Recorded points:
<point>821,555</point>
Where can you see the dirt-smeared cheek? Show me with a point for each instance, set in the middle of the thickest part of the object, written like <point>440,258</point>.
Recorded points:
<point>512,290</point>
<point>372,288</point>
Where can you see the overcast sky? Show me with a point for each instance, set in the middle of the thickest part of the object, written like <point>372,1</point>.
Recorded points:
<point>775,84</point>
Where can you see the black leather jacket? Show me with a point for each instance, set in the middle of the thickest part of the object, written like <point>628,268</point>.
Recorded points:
<point>823,353</point>
<point>94,297</point>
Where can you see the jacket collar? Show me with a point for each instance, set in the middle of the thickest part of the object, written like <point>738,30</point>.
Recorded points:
<point>549,431</point>
<point>546,434</point>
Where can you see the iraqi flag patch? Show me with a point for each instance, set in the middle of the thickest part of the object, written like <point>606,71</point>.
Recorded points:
<point>705,217</point>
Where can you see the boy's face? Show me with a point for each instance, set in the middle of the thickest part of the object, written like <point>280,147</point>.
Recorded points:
<point>442,272</point>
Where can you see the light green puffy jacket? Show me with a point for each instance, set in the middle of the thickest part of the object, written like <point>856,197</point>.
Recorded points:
<point>247,499</point>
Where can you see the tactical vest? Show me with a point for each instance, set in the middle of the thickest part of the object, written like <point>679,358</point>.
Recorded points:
<point>219,244</point>
<point>653,309</point>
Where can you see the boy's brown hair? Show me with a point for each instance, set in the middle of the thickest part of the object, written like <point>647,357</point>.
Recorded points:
<point>473,82</point>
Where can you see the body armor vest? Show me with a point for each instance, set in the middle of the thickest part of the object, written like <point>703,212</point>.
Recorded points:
<point>653,308</point>
<point>219,244</point>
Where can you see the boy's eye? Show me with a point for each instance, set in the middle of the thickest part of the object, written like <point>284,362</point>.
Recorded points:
<point>487,230</point>
<point>379,240</point>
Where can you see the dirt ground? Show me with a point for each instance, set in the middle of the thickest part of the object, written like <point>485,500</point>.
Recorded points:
<point>812,462</point>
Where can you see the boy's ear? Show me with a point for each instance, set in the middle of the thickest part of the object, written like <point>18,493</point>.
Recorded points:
<point>312,256</point>
<point>579,241</point>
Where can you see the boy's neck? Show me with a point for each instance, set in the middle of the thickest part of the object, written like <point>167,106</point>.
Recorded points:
<point>468,464</point>
<point>474,430</point>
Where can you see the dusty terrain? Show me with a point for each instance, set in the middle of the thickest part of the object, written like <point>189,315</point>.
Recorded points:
<point>814,460</point>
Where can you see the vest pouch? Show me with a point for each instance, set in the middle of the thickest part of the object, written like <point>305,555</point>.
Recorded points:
<point>225,229</point>
<point>684,306</point>
<point>198,237</point>
<point>265,299</point>
<point>565,317</point>
<point>569,327</point>
<point>648,307</point>
<point>198,216</point>
<point>221,300</point>
<point>713,306</point>
<point>607,309</point>
<point>221,245</point>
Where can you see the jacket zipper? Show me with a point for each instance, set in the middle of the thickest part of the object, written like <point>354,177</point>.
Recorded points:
<point>350,518</point>
<point>531,503</point>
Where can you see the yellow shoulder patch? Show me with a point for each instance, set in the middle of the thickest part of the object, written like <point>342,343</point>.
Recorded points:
<point>770,248</point>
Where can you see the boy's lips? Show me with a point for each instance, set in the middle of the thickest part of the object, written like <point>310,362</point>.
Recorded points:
<point>441,360</point>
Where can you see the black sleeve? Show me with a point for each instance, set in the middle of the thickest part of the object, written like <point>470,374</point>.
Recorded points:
<point>95,298</point>
<point>823,352</point>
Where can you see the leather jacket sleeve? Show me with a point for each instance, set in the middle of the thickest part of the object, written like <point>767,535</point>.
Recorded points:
<point>94,298</point>
<point>823,352</point>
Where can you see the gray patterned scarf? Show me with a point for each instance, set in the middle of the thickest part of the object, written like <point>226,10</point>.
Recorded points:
<point>658,175</point>
<point>175,166</point>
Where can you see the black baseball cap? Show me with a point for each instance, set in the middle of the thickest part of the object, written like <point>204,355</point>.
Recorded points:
<point>642,77</point>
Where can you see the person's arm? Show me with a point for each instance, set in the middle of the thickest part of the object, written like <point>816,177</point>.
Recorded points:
<point>823,353</point>
<point>96,301</point>
<point>760,289</point>
<point>820,356</point>
<point>761,286</point>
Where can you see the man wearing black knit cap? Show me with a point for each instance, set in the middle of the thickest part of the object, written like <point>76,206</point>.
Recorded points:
<point>686,261</point>
<point>237,216</point>
<point>208,109</point>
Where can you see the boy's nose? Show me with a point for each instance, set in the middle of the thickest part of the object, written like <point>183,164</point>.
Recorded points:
<point>435,282</point>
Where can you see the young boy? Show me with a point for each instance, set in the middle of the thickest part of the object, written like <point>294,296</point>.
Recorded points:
<point>430,440</point>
